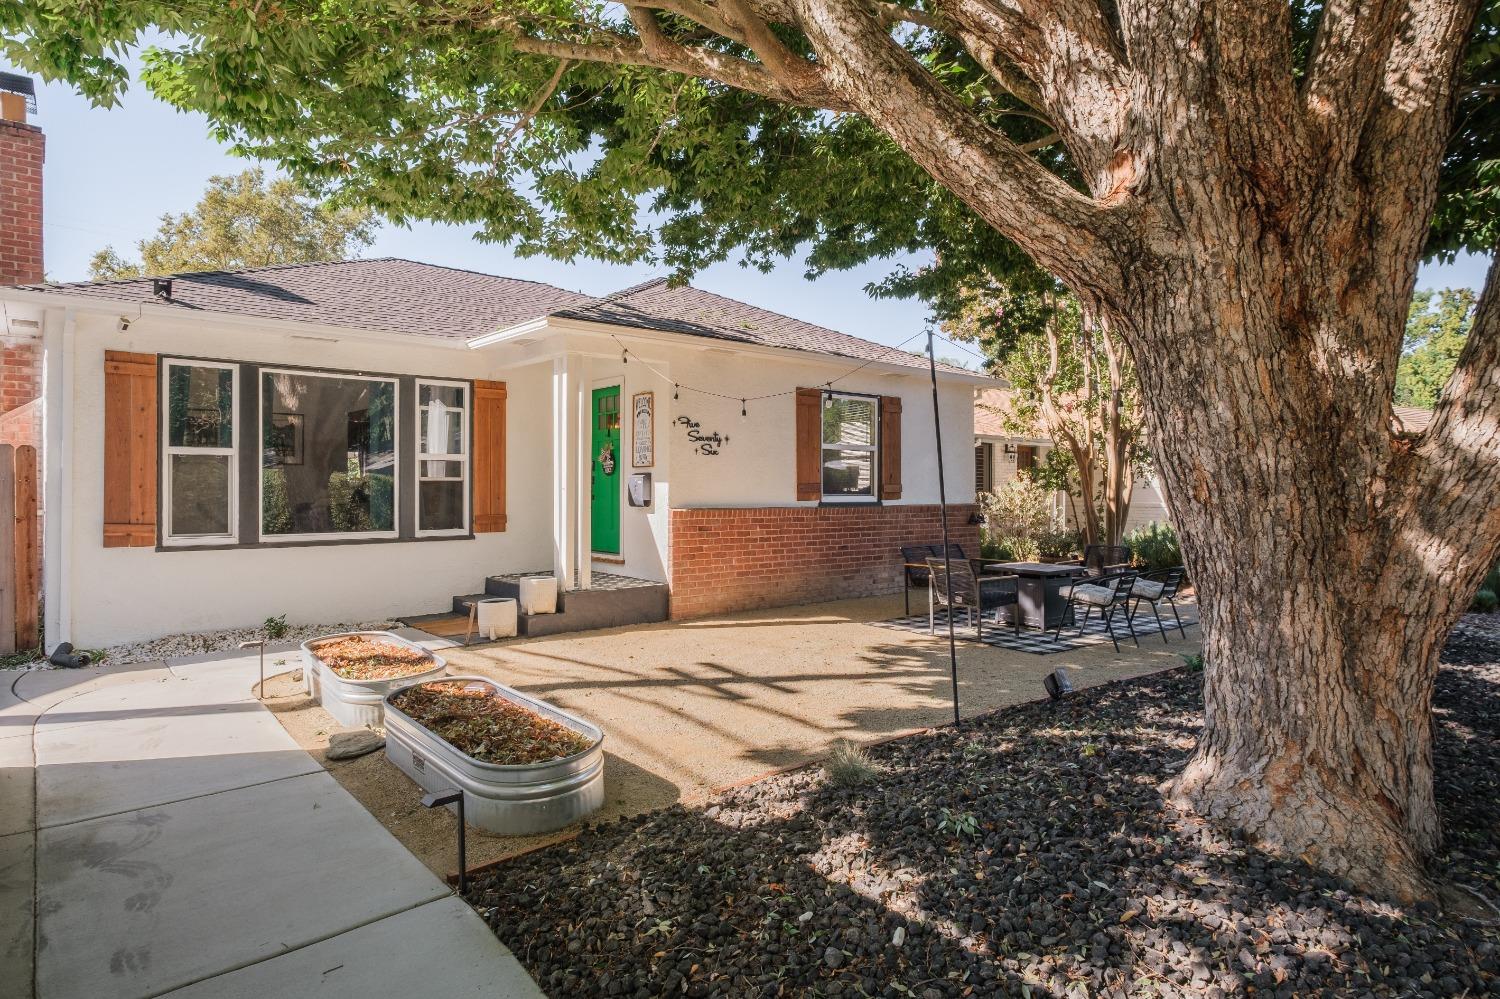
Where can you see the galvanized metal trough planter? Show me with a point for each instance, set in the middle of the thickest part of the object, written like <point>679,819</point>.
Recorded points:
<point>517,800</point>
<point>359,703</point>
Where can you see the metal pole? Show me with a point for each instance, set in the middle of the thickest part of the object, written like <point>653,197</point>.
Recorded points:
<point>259,643</point>
<point>463,853</point>
<point>937,427</point>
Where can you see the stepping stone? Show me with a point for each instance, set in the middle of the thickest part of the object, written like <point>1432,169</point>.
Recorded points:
<point>349,745</point>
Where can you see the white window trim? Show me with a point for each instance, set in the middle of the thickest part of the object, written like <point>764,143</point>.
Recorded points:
<point>425,456</point>
<point>260,442</point>
<point>168,451</point>
<point>873,448</point>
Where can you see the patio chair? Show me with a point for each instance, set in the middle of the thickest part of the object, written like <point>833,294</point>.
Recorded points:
<point>1101,560</point>
<point>915,573</point>
<point>1159,587</point>
<point>1108,593</point>
<point>965,589</point>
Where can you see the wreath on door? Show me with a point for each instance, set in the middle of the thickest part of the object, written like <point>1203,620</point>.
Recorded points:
<point>607,458</point>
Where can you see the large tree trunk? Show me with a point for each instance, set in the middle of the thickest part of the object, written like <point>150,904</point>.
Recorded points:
<point>1330,556</point>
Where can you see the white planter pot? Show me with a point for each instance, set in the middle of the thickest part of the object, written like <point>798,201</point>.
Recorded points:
<point>538,594</point>
<point>496,618</point>
<point>360,703</point>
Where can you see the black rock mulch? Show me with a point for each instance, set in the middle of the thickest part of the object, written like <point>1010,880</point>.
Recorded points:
<point>1027,854</point>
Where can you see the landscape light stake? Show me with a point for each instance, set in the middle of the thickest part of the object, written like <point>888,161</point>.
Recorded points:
<point>453,797</point>
<point>259,643</point>
<point>937,427</point>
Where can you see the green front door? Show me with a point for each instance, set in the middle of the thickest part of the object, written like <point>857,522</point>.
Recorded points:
<point>605,481</point>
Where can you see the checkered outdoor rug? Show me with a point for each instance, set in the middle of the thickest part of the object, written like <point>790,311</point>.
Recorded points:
<point>1041,643</point>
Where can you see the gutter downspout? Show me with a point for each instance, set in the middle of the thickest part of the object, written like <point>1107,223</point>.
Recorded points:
<point>58,350</point>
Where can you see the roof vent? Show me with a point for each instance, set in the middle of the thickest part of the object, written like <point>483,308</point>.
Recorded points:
<point>162,288</point>
<point>17,96</point>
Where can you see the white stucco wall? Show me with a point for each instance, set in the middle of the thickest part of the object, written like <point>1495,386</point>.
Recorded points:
<point>123,594</point>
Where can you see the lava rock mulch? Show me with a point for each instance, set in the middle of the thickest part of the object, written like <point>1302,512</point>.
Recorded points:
<point>1026,854</point>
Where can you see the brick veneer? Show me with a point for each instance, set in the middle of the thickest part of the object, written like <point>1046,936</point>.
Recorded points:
<point>739,559</point>
<point>22,148</point>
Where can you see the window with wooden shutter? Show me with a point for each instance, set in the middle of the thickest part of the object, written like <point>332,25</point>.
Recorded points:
<point>809,444</point>
<point>489,457</point>
<point>890,447</point>
<point>129,449</point>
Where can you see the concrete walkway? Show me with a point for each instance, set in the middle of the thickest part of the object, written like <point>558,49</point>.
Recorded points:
<point>161,834</point>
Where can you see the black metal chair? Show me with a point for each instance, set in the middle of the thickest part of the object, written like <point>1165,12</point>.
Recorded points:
<point>963,588</point>
<point>1159,587</point>
<point>1101,560</point>
<point>1107,593</point>
<point>915,573</point>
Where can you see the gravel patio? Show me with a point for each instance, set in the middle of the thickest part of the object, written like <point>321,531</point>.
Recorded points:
<point>690,708</point>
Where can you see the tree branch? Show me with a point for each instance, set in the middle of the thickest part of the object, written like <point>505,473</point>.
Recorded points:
<point>1068,233</point>
<point>1458,457</point>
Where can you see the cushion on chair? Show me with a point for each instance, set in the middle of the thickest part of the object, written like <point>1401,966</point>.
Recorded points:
<point>1149,589</point>
<point>1098,596</point>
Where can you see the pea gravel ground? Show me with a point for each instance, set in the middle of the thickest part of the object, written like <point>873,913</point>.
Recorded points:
<point>1026,854</point>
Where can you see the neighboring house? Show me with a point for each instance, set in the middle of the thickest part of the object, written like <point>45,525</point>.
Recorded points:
<point>349,440</point>
<point>999,455</point>
<point>22,149</point>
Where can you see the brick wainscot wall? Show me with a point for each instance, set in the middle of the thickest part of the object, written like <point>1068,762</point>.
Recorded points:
<point>740,559</point>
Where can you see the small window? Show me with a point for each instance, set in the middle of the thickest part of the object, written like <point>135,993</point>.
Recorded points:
<point>200,472</point>
<point>442,458</point>
<point>328,456</point>
<point>849,447</point>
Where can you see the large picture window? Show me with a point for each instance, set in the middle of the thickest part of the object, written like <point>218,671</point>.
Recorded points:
<point>328,456</point>
<point>442,458</point>
<point>200,436</point>
<point>849,447</point>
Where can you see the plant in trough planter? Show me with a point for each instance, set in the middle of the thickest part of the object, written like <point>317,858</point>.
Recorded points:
<point>488,728</point>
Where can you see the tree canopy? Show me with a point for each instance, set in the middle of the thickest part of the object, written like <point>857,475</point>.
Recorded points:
<point>659,132</point>
<point>244,221</point>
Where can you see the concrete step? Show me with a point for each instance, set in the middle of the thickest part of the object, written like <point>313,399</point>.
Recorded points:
<point>461,603</point>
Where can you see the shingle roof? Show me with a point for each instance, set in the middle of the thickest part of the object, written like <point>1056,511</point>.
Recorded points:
<point>1412,419</point>
<point>403,296</point>
<point>659,305</point>
<point>387,294</point>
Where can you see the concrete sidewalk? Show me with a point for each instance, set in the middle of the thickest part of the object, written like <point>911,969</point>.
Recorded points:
<point>161,834</point>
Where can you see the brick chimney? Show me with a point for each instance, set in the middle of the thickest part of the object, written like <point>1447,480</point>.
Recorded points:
<point>22,146</point>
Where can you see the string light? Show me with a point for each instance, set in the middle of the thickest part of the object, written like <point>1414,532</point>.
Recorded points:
<point>678,387</point>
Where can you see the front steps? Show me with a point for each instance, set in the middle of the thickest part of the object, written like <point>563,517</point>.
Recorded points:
<point>613,601</point>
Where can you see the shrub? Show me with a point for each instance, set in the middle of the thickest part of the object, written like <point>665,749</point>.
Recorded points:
<point>849,766</point>
<point>1058,544</point>
<point>1021,508</point>
<point>275,627</point>
<point>1485,602</point>
<point>1492,580</point>
<point>1154,546</point>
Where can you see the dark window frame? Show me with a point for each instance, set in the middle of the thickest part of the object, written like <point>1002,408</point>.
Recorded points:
<point>247,413</point>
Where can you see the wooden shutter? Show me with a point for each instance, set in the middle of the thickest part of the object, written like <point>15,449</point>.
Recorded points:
<point>890,447</point>
<point>489,457</point>
<point>129,449</point>
<point>809,444</point>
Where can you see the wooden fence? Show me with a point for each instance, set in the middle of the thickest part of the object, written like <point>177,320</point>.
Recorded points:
<point>20,554</point>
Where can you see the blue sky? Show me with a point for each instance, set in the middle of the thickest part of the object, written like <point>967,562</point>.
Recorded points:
<point>111,174</point>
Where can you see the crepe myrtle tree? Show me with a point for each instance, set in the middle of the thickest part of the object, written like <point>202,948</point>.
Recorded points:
<point>1241,189</point>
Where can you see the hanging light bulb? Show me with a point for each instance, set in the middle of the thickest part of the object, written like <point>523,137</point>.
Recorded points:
<point>742,407</point>
<point>624,356</point>
<point>674,390</point>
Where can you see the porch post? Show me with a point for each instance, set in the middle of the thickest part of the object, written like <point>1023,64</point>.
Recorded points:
<point>584,469</point>
<point>564,466</point>
<point>57,472</point>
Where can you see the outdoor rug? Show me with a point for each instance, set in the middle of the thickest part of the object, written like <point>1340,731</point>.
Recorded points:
<point>1041,643</point>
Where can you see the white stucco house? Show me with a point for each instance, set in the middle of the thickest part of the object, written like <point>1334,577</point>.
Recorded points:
<point>351,440</point>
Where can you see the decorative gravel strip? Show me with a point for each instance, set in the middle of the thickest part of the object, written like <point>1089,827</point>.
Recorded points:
<point>1026,854</point>
<point>360,657</point>
<point>490,728</point>
<point>199,643</point>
